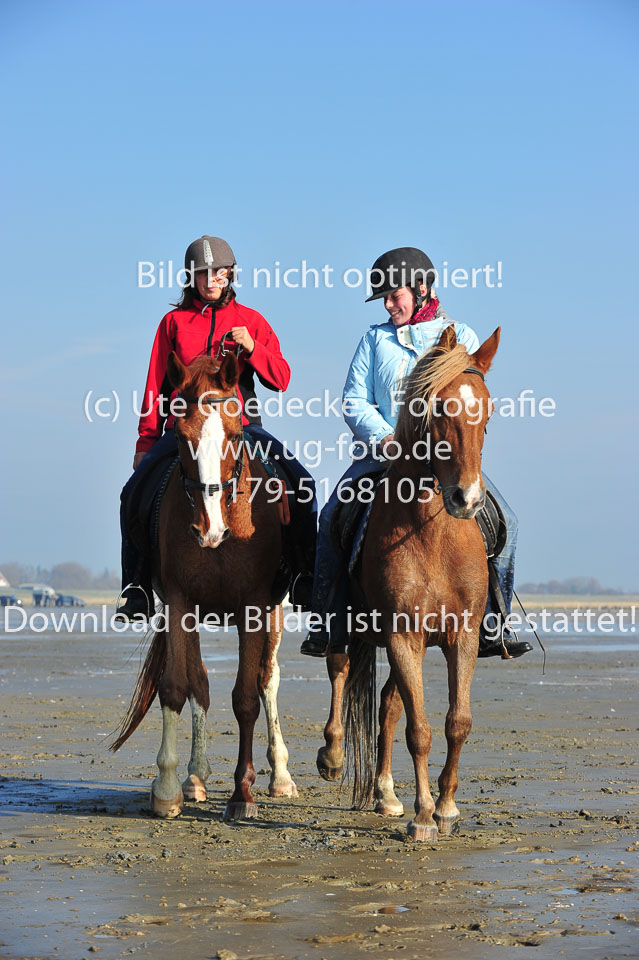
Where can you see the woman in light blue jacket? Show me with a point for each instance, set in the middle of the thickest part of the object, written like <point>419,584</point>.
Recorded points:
<point>372,394</point>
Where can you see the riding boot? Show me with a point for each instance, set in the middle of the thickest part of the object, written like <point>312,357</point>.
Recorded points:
<point>321,641</point>
<point>504,645</point>
<point>137,606</point>
<point>316,643</point>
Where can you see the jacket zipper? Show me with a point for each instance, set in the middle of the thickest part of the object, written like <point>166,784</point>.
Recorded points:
<point>209,342</point>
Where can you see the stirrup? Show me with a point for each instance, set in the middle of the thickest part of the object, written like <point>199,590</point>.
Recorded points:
<point>503,647</point>
<point>301,592</point>
<point>122,614</point>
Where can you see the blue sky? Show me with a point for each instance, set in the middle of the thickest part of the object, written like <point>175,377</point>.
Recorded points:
<point>479,132</point>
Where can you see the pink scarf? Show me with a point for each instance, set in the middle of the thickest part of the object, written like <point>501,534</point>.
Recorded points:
<point>426,313</point>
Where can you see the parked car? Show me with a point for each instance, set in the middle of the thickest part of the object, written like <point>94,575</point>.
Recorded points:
<point>10,600</point>
<point>67,600</point>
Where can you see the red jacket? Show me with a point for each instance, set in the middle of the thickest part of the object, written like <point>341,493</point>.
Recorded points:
<point>191,334</point>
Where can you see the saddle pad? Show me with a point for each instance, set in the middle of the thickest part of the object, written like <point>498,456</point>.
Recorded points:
<point>350,518</point>
<point>288,561</point>
<point>143,505</point>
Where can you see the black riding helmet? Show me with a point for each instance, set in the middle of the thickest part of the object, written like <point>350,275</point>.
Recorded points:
<point>402,267</point>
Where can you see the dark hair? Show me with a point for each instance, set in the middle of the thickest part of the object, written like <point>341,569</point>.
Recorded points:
<point>189,294</point>
<point>429,294</point>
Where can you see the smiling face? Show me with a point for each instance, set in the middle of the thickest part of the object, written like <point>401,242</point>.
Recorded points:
<point>401,304</point>
<point>211,284</point>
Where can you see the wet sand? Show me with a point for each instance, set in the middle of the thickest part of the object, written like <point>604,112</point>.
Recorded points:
<point>543,863</point>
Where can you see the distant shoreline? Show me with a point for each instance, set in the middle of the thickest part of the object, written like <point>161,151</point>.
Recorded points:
<point>531,601</point>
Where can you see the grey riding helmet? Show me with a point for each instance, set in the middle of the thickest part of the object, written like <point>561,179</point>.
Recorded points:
<point>402,267</point>
<point>208,253</point>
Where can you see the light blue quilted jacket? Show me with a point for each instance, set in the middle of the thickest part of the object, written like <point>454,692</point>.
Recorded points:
<point>385,355</point>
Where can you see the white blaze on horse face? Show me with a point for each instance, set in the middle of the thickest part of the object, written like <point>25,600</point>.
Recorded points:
<point>466,393</point>
<point>473,493</point>
<point>472,404</point>
<point>209,464</point>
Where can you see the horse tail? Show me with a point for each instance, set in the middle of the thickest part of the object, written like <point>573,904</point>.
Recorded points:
<point>145,689</point>
<point>361,718</point>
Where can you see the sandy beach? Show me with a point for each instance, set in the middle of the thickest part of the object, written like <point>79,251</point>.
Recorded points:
<point>544,858</point>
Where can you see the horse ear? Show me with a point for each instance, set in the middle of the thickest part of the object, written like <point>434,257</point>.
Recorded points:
<point>229,371</point>
<point>176,370</point>
<point>448,339</point>
<point>483,357</point>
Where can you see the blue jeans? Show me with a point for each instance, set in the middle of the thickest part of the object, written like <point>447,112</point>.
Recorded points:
<point>504,564</point>
<point>331,587</point>
<point>135,569</point>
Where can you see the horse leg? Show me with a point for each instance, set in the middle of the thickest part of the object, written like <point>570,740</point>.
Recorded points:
<point>166,792</point>
<point>405,654</point>
<point>246,707</point>
<point>461,664</point>
<point>390,710</point>
<point>330,758</point>
<point>194,787</point>
<point>281,783</point>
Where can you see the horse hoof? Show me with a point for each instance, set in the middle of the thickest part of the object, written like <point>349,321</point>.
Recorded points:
<point>283,789</point>
<point>326,769</point>
<point>240,811</point>
<point>194,788</point>
<point>445,824</point>
<point>389,809</point>
<point>167,809</point>
<point>421,831</point>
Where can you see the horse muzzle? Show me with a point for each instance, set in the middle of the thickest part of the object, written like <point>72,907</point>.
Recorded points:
<point>464,502</point>
<point>209,540</point>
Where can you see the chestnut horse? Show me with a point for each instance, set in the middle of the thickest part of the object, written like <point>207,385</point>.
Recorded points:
<point>219,546</point>
<point>424,572</point>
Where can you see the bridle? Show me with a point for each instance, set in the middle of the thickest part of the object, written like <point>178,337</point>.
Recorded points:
<point>475,370</point>
<point>437,487</point>
<point>208,489</point>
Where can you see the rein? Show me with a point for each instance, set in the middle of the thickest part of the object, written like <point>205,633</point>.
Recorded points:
<point>208,489</point>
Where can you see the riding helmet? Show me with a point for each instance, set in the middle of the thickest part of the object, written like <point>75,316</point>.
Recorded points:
<point>208,253</point>
<point>402,267</point>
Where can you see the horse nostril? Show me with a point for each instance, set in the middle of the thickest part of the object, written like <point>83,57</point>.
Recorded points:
<point>225,534</point>
<point>195,531</point>
<point>458,497</point>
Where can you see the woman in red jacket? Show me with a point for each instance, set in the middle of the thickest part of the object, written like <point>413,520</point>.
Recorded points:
<point>207,312</point>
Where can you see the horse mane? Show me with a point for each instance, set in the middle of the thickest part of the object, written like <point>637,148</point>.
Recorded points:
<point>434,370</point>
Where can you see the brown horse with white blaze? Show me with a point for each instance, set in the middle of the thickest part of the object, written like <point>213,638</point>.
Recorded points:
<point>220,540</point>
<point>424,572</point>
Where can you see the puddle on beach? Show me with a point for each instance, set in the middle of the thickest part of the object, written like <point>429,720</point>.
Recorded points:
<point>392,908</point>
